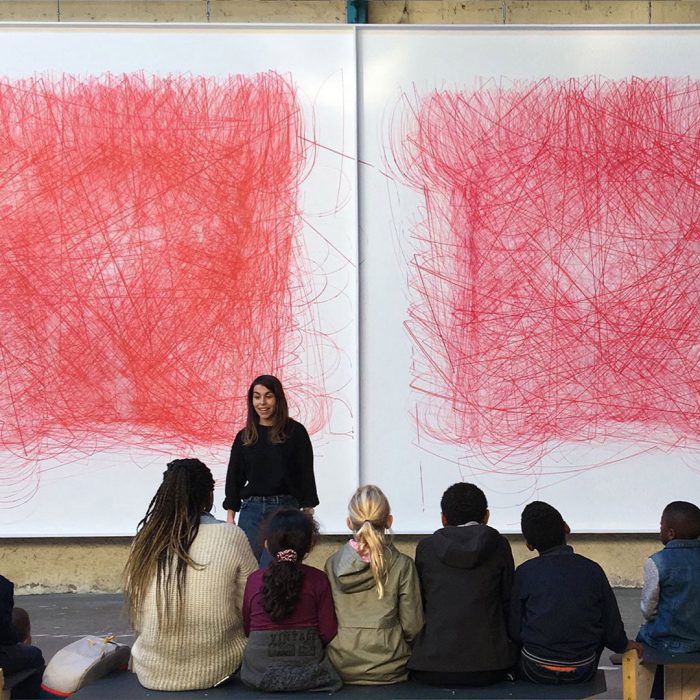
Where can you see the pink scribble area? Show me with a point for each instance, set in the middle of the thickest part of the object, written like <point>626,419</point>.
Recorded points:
<point>557,279</point>
<point>151,262</point>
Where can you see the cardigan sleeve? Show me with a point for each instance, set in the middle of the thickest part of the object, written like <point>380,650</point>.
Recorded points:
<point>247,600</point>
<point>247,565</point>
<point>235,476</point>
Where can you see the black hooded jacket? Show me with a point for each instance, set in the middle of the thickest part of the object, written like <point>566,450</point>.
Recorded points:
<point>466,576</point>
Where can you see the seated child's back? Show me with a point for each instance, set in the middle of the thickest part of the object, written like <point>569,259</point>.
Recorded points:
<point>563,610</point>
<point>466,574</point>
<point>288,613</point>
<point>377,597</point>
<point>671,593</point>
<point>16,653</point>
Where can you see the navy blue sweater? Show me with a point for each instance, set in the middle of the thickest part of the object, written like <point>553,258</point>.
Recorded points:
<point>563,608</point>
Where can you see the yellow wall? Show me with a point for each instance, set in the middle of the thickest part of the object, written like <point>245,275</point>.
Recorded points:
<point>54,565</point>
<point>86,565</point>
<point>380,11</point>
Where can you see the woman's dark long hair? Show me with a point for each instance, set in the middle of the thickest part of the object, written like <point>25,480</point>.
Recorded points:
<point>161,546</point>
<point>290,535</point>
<point>279,418</point>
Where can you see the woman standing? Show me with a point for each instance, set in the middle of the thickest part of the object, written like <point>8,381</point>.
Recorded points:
<point>271,464</point>
<point>184,584</point>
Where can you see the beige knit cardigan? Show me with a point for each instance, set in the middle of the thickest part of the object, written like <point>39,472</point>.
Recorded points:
<point>207,645</point>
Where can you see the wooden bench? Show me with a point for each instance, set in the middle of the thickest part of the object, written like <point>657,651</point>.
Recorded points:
<point>681,675</point>
<point>4,692</point>
<point>125,685</point>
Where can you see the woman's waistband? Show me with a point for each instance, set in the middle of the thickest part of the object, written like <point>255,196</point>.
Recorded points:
<point>273,500</point>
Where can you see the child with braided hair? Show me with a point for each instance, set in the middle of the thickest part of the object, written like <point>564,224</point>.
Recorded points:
<point>184,583</point>
<point>288,612</point>
<point>377,597</point>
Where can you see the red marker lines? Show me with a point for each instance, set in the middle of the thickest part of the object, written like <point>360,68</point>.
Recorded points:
<point>557,278</point>
<point>150,258</point>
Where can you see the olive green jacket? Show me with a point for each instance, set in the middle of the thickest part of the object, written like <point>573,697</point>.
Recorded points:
<point>372,644</point>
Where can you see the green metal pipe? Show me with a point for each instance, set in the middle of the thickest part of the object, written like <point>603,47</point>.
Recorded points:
<point>356,11</point>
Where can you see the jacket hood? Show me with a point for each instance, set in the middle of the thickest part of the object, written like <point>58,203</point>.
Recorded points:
<point>467,546</point>
<point>352,573</point>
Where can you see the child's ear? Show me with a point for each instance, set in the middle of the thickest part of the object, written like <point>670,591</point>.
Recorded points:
<point>567,529</point>
<point>443,519</point>
<point>389,521</point>
<point>485,519</point>
<point>348,522</point>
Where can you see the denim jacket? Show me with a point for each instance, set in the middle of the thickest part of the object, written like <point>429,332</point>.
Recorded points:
<point>208,519</point>
<point>676,625</point>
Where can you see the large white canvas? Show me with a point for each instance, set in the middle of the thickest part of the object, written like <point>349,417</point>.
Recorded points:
<point>599,485</point>
<point>92,491</point>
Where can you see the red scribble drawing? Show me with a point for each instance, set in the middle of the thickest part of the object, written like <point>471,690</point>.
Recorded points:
<point>557,278</point>
<point>151,262</point>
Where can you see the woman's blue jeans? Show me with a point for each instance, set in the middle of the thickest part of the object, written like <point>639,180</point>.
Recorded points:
<point>253,512</point>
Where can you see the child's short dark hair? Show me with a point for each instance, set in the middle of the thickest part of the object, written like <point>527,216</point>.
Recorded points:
<point>684,518</point>
<point>20,621</point>
<point>542,526</point>
<point>463,503</point>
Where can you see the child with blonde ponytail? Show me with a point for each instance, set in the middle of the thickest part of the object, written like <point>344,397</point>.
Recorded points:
<point>376,594</point>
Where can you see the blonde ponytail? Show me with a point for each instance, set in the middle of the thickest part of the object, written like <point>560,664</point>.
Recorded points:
<point>369,512</point>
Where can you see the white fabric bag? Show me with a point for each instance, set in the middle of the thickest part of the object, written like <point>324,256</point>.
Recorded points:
<point>83,662</point>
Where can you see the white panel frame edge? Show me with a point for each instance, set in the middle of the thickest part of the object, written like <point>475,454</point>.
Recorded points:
<point>624,498</point>
<point>115,504</point>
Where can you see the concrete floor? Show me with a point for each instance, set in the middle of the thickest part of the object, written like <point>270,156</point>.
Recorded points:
<point>58,619</point>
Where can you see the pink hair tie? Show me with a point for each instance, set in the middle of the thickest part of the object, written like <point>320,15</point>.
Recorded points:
<point>287,555</point>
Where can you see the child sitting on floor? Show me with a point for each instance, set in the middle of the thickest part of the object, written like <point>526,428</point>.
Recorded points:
<point>563,610</point>
<point>466,574</point>
<point>17,656</point>
<point>288,613</point>
<point>671,593</point>
<point>377,597</point>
